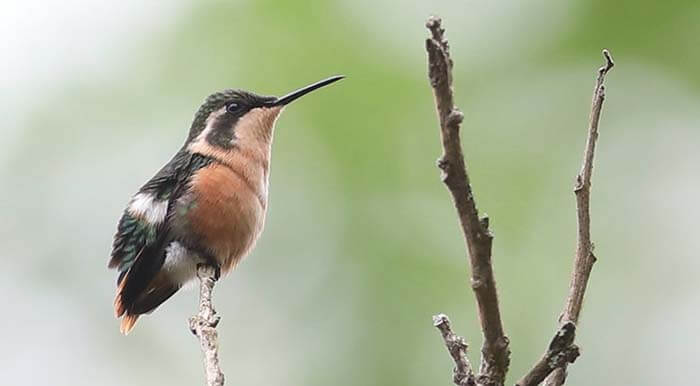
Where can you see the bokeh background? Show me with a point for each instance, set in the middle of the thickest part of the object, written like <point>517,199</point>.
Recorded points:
<point>362,245</point>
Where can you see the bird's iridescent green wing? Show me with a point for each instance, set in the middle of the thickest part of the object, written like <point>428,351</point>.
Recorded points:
<point>144,221</point>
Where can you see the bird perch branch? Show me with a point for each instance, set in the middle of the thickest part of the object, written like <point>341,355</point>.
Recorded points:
<point>495,352</point>
<point>203,325</point>
<point>583,262</point>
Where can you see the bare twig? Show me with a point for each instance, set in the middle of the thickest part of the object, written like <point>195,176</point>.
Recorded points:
<point>495,352</point>
<point>457,347</point>
<point>583,262</point>
<point>203,325</point>
<point>561,351</point>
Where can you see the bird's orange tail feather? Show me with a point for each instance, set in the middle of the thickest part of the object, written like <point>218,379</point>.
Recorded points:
<point>128,323</point>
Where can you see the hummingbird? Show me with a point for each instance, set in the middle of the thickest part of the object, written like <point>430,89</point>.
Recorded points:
<point>206,206</point>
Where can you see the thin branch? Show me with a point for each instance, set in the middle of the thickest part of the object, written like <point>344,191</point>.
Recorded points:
<point>583,262</point>
<point>561,351</point>
<point>203,325</point>
<point>462,374</point>
<point>495,352</point>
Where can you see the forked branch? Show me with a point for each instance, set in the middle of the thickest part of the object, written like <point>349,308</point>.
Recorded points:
<point>495,351</point>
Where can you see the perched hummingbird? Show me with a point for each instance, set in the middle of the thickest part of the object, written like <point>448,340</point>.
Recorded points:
<point>206,206</point>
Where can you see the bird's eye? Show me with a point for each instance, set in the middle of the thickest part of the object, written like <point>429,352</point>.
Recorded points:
<point>233,108</point>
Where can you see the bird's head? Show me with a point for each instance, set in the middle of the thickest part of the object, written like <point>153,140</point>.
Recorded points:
<point>232,117</point>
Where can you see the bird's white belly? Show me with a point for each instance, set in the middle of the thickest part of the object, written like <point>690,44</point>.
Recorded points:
<point>180,263</point>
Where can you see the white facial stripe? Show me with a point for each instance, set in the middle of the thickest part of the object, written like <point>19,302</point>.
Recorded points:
<point>209,122</point>
<point>143,205</point>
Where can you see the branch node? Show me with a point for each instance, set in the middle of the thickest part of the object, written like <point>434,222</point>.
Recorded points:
<point>578,185</point>
<point>601,92</point>
<point>609,64</point>
<point>484,221</point>
<point>564,337</point>
<point>444,166</point>
<point>454,119</point>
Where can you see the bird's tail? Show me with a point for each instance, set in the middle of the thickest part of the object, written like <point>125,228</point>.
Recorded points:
<point>129,308</point>
<point>128,322</point>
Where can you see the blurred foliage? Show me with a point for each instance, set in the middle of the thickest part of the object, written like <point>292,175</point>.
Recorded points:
<point>361,245</point>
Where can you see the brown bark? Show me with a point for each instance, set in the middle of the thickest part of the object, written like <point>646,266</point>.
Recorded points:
<point>561,351</point>
<point>584,259</point>
<point>462,375</point>
<point>495,352</point>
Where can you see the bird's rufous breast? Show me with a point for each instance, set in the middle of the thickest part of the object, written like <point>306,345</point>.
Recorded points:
<point>228,212</point>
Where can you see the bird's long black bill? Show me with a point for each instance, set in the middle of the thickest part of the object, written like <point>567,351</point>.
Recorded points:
<point>287,99</point>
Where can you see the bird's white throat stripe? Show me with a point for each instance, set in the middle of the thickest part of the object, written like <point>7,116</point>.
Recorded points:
<point>145,206</point>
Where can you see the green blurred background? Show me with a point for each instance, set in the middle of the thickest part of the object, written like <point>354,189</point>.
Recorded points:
<point>362,245</point>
